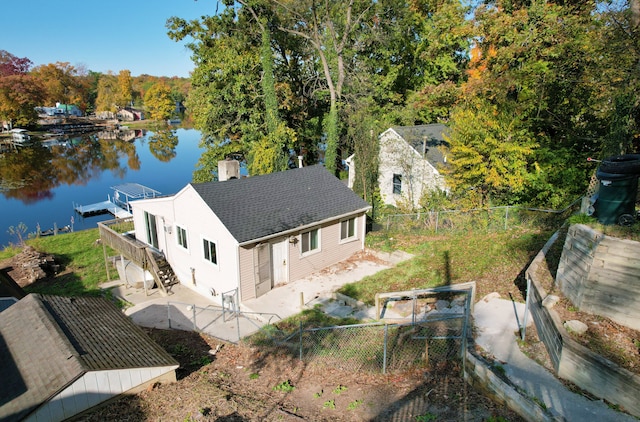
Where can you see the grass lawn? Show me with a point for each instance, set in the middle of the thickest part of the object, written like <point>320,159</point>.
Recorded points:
<point>496,261</point>
<point>81,260</point>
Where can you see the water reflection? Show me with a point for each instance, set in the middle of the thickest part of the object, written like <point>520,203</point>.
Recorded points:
<point>162,145</point>
<point>41,184</point>
<point>30,173</point>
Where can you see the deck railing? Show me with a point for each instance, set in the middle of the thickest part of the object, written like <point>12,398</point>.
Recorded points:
<point>113,233</point>
<point>116,235</point>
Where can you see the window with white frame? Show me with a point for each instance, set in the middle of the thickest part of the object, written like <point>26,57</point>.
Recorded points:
<point>348,229</point>
<point>181,236</point>
<point>397,184</point>
<point>310,241</point>
<point>210,253</point>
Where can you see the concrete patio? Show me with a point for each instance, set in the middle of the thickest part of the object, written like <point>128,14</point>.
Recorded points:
<point>186,309</point>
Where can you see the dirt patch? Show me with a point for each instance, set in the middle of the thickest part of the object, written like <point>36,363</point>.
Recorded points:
<point>227,382</point>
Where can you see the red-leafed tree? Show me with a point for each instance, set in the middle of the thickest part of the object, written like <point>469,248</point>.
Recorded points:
<point>20,92</point>
<point>12,65</point>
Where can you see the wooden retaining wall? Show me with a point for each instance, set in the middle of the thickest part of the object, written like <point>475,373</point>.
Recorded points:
<point>601,275</point>
<point>571,360</point>
<point>479,375</point>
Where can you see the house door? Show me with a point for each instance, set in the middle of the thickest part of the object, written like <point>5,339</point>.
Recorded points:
<point>262,266</point>
<point>279,262</point>
<point>152,229</point>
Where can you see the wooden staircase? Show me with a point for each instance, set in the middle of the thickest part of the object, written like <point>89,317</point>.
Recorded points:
<point>161,271</point>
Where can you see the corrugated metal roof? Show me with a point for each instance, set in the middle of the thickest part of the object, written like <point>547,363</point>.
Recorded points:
<point>136,190</point>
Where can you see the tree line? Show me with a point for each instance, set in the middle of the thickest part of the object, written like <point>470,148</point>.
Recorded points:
<point>23,87</point>
<point>528,88</point>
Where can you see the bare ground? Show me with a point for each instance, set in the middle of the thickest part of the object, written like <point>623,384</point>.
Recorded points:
<point>239,383</point>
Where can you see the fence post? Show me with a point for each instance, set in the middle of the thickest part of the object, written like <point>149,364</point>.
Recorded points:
<point>169,313</point>
<point>506,217</point>
<point>300,339</point>
<point>236,308</point>
<point>384,351</point>
<point>465,330</point>
<point>195,326</point>
<point>437,217</point>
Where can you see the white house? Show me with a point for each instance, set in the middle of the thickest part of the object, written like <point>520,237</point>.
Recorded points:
<point>63,355</point>
<point>252,234</point>
<point>409,157</point>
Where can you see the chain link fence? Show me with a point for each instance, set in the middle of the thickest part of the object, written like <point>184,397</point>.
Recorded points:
<point>489,219</point>
<point>432,336</point>
<point>226,322</point>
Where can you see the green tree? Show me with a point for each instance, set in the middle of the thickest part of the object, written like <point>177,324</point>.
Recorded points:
<point>158,103</point>
<point>125,88</point>
<point>532,84</point>
<point>107,92</point>
<point>324,58</point>
<point>492,154</point>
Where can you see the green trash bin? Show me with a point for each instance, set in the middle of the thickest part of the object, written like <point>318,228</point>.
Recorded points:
<point>616,202</point>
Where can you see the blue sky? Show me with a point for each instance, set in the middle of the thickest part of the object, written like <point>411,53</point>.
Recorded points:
<point>101,35</point>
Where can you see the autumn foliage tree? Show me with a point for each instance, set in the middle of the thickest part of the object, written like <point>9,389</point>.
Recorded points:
<point>158,102</point>
<point>125,89</point>
<point>20,92</point>
<point>61,83</point>
<point>530,114</point>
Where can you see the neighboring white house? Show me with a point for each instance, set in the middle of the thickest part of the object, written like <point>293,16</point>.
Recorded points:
<point>130,114</point>
<point>61,356</point>
<point>253,233</point>
<point>409,157</point>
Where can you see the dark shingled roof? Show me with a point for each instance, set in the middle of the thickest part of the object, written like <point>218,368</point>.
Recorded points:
<point>47,342</point>
<point>261,206</point>
<point>416,135</point>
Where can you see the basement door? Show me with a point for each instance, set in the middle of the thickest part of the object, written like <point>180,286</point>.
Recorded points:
<point>262,268</point>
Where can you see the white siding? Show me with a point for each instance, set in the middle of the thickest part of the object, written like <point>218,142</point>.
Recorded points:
<point>92,389</point>
<point>187,209</point>
<point>418,175</point>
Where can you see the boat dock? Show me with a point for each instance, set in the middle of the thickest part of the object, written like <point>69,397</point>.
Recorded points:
<point>118,205</point>
<point>102,208</point>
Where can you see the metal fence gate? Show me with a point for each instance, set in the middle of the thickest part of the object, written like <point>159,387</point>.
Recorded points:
<point>429,330</point>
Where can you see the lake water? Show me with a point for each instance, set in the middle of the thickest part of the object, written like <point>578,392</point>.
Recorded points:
<point>39,185</point>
